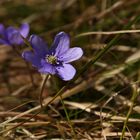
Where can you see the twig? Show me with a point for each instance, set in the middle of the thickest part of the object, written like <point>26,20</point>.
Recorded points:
<point>135,94</point>
<point>68,118</point>
<point>108,33</point>
<point>11,114</point>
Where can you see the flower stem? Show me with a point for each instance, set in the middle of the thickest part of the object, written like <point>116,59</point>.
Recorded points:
<point>42,89</point>
<point>26,42</point>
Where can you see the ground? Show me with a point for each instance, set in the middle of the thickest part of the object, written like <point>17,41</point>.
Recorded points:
<point>102,101</point>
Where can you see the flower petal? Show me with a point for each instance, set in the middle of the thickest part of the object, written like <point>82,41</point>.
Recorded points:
<point>61,43</point>
<point>2,30</point>
<point>2,41</point>
<point>29,56</point>
<point>71,55</point>
<point>39,46</point>
<point>24,29</point>
<point>66,72</point>
<point>13,36</point>
<point>47,68</point>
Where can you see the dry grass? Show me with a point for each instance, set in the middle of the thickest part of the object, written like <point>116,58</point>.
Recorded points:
<point>104,97</point>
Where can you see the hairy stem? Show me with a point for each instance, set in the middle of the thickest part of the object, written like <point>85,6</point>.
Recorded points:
<point>42,89</point>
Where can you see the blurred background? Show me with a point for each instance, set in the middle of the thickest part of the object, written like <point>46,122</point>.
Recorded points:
<point>107,86</point>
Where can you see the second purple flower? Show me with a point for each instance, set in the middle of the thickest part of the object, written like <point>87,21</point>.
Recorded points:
<point>12,36</point>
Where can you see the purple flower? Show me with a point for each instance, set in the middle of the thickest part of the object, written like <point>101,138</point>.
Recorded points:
<point>12,36</point>
<point>56,59</point>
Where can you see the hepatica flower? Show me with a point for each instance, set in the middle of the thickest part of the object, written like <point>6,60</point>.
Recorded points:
<point>56,59</point>
<point>12,36</point>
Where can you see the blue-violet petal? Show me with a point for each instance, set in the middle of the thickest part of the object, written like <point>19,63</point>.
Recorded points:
<point>71,55</point>
<point>61,44</point>
<point>31,57</point>
<point>2,30</point>
<point>39,46</point>
<point>47,68</point>
<point>66,72</point>
<point>24,30</point>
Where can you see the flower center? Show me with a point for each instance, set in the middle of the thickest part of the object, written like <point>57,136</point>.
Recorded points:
<point>51,59</point>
